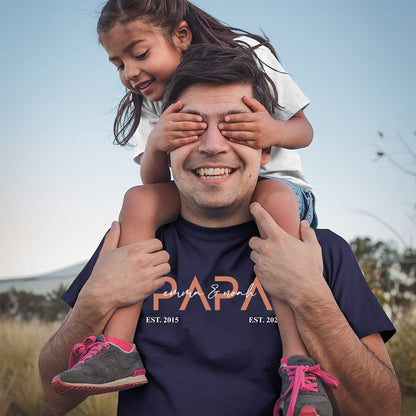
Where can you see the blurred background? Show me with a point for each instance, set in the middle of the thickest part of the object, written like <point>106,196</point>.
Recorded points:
<point>62,180</point>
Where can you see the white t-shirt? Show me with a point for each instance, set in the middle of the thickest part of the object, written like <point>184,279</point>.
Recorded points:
<point>284,163</point>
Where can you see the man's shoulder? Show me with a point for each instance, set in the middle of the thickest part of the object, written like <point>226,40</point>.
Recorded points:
<point>331,242</point>
<point>328,236</point>
<point>160,232</point>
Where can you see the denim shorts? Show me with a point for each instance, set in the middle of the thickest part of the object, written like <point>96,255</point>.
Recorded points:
<point>306,200</point>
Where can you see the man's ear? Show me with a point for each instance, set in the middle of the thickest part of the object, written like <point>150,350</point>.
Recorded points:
<point>182,36</point>
<point>265,156</point>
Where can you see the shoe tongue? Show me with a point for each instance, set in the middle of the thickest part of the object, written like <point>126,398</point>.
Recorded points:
<point>300,360</point>
<point>100,338</point>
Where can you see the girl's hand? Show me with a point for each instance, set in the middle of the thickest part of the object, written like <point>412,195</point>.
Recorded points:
<point>176,129</point>
<point>256,129</point>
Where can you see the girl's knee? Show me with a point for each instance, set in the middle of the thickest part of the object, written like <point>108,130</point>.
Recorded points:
<point>138,202</point>
<point>281,202</point>
<point>272,193</point>
<point>156,204</point>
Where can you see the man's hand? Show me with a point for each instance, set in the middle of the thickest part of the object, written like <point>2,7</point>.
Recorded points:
<point>256,129</point>
<point>126,275</point>
<point>175,129</point>
<point>286,267</point>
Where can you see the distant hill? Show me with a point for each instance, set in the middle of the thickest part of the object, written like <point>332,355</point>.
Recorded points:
<point>43,283</point>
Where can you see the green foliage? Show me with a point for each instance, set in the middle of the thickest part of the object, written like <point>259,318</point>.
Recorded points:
<point>392,277</point>
<point>390,274</point>
<point>409,406</point>
<point>6,304</point>
<point>402,350</point>
<point>27,305</point>
<point>57,308</point>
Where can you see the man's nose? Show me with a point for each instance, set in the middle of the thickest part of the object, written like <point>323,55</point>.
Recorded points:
<point>212,141</point>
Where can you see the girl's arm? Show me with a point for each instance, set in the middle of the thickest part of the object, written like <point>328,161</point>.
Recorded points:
<point>263,130</point>
<point>259,129</point>
<point>154,166</point>
<point>173,130</point>
<point>294,133</point>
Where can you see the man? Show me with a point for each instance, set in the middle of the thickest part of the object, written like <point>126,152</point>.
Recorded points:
<point>209,336</point>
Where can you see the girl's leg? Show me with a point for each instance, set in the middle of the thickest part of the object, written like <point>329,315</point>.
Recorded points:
<point>145,209</point>
<point>281,202</point>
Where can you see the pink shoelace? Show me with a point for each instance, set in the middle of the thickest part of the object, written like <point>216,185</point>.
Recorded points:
<point>86,349</point>
<point>300,381</point>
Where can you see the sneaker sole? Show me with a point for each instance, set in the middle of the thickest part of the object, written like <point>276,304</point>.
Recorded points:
<point>308,411</point>
<point>84,390</point>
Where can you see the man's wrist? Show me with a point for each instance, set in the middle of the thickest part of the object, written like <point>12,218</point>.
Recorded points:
<point>316,293</point>
<point>91,311</point>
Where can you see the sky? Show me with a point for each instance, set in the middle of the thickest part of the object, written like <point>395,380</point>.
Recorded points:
<point>62,180</point>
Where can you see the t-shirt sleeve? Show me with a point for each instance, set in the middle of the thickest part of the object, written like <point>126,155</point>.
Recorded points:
<point>148,119</point>
<point>350,289</point>
<point>290,97</point>
<point>71,295</point>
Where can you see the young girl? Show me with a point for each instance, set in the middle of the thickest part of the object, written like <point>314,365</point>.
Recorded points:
<point>145,40</point>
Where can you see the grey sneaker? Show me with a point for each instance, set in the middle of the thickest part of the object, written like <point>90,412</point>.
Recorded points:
<point>302,391</point>
<point>102,367</point>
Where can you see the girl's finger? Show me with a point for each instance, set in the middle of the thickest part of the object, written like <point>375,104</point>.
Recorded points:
<point>188,134</point>
<point>183,134</point>
<point>239,135</point>
<point>240,117</point>
<point>253,104</point>
<point>174,108</point>
<point>188,125</point>
<point>186,117</point>
<point>237,126</point>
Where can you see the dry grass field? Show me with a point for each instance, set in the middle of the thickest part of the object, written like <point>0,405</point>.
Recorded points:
<point>20,387</point>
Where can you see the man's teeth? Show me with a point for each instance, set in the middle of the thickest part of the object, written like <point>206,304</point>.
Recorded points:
<point>213,173</point>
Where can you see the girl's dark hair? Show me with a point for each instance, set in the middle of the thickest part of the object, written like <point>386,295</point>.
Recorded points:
<point>220,65</point>
<point>166,14</point>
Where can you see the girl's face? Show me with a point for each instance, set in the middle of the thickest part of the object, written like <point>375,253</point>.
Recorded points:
<point>145,58</point>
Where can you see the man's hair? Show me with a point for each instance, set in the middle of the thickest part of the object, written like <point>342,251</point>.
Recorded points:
<point>221,65</point>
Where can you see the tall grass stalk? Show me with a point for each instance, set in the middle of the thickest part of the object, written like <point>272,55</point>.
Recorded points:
<point>402,349</point>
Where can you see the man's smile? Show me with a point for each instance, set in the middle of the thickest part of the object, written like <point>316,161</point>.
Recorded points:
<point>213,173</point>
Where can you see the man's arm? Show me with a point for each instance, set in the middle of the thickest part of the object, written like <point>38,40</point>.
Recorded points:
<point>121,277</point>
<point>291,270</point>
<point>54,356</point>
<point>368,384</point>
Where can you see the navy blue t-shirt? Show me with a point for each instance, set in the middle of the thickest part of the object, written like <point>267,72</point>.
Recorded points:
<point>209,338</point>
